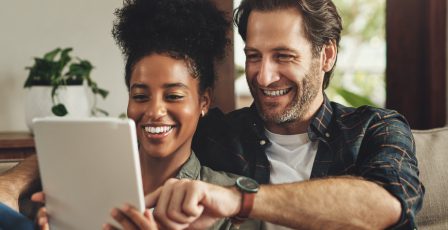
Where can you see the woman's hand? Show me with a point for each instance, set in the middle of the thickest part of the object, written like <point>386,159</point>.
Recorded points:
<point>130,218</point>
<point>41,217</point>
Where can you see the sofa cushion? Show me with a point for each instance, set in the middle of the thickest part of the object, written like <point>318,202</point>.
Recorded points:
<point>432,155</point>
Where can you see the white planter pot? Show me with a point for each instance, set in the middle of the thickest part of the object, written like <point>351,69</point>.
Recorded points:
<point>38,102</point>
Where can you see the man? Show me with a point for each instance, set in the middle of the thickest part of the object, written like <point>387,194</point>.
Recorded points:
<point>335,167</point>
<point>321,165</point>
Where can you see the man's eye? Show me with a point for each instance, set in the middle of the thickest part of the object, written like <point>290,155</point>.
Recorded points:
<point>174,97</point>
<point>284,57</point>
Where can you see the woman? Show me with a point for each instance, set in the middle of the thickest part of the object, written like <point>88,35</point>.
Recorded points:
<point>170,49</point>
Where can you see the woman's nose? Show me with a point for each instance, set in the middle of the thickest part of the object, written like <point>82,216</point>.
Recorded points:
<point>156,109</point>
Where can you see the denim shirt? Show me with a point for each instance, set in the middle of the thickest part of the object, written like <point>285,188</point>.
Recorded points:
<point>375,144</point>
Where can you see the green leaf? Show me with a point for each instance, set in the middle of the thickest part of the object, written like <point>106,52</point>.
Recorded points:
<point>101,92</point>
<point>78,70</point>
<point>64,59</point>
<point>50,55</point>
<point>29,81</point>
<point>59,110</point>
<point>53,91</point>
<point>104,112</point>
<point>122,116</point>
<point>354,99</point>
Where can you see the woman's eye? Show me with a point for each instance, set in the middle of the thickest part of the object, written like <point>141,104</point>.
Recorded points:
<point>139,97</point>
<point>174,97</point>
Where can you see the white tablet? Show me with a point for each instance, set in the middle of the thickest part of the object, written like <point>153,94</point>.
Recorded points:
<point>87,166</point>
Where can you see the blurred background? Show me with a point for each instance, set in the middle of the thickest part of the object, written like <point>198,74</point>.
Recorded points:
<point>392,54</point>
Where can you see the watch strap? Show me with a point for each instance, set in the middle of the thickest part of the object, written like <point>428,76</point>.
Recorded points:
<point>247,203</point>
<point>247,199</point>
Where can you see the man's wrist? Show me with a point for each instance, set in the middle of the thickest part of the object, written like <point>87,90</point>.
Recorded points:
<point>247,188</point>
<point>237,197</point>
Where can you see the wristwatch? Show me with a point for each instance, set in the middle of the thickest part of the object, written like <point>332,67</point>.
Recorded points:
<point>248,188</point>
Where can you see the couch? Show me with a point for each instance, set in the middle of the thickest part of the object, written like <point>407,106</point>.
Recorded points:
<point>432,155</point>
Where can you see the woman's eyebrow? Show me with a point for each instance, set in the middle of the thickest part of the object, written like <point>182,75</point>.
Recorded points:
<point>139,86</point>
<point>175,85</point>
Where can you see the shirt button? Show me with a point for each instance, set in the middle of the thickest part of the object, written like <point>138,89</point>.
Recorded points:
<point>262,142</point>
<point>327,134</point>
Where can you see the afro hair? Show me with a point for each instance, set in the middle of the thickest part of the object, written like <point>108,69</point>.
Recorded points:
<point>193,30</point>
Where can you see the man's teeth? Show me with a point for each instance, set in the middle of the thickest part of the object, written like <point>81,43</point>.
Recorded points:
<point>276,92</point>
<point>158,129</point>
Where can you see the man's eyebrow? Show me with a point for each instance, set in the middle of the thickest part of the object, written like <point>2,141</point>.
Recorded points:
<point>248,49</point>
<point>175,85</point>
<point>280,48</point>
<point>284,48</point>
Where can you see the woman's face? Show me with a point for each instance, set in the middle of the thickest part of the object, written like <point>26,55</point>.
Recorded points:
<point>165,104</point>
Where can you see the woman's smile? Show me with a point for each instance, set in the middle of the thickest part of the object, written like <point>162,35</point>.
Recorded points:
<point>157,131</point>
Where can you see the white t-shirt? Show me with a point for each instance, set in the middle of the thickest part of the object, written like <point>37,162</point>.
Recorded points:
<point>291,158</point>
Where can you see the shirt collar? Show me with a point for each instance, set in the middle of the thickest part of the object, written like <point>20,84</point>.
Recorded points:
<point>321,121</point>
<point>191,168</point>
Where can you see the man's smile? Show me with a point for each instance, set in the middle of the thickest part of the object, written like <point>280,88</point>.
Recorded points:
<point>275,93</point>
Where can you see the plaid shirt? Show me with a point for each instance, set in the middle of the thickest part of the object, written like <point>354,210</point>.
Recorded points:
<point>372,143</point>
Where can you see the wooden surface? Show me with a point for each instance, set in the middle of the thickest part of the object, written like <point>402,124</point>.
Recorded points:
<point>15,146</point>
<point>225,69</point>
<point>416,61</point>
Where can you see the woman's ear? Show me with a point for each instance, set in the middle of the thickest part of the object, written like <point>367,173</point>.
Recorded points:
<point>330,51</point>
<point>206,100</point>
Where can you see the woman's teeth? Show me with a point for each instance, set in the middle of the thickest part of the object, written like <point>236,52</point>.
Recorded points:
<point>274,93</point>
<point>158,129</point>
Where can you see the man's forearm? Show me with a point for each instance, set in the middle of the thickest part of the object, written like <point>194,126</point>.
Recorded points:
<point>18,180</point>
<point>333,203</point>
<point>24,175</point>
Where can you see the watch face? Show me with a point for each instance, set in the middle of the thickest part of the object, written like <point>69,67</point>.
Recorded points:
<point>247,184</point>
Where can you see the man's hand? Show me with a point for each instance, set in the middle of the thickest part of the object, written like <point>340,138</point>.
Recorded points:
<point>181,204</point>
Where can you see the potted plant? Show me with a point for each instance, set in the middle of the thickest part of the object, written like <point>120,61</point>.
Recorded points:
<point>56,86</point>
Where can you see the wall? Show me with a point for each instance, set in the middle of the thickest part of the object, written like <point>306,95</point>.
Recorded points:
<point>31,28</point>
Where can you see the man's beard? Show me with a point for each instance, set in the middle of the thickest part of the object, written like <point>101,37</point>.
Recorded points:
<point>299,106</point>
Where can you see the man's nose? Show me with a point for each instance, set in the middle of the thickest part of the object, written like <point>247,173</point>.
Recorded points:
<point>268,73</point>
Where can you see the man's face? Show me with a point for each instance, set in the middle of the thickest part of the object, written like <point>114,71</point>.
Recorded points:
<point>283,76</point>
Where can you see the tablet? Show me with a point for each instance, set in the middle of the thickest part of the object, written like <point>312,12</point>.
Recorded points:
<point>87,166</point>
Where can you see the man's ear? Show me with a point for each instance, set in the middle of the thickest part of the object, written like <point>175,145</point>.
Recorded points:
<point>206,100</point>
<point>330,51</point>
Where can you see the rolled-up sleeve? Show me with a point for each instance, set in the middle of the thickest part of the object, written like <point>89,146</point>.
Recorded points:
<point>387,157</point>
